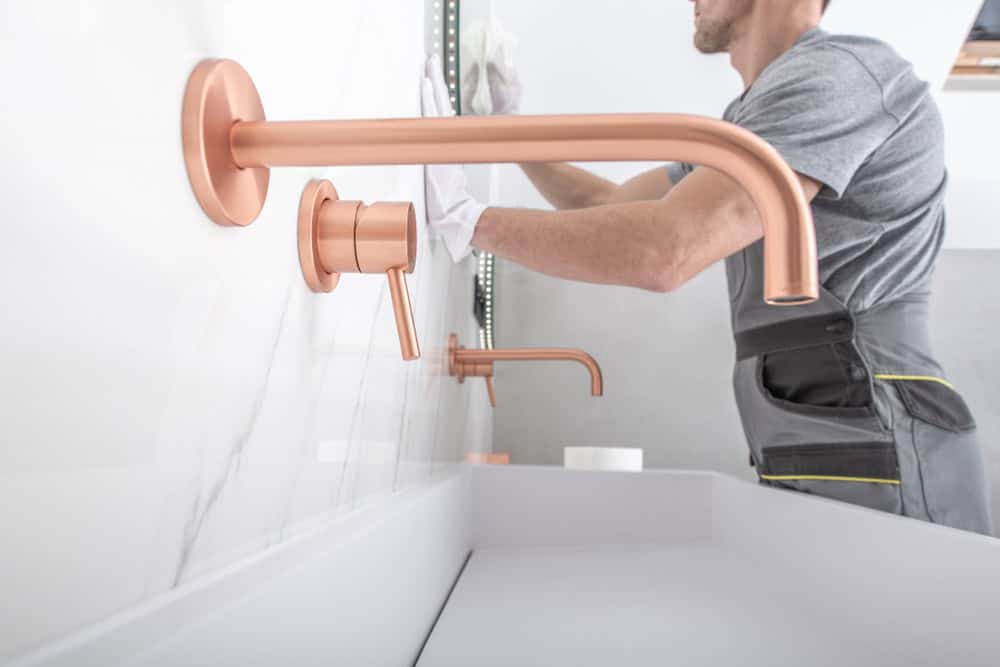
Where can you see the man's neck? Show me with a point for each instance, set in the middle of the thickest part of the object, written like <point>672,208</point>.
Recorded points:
<point>762,39</point>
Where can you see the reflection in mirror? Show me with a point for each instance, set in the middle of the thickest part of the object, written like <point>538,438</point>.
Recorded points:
<point>445,36</point>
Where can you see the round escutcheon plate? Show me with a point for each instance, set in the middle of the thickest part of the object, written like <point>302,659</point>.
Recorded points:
<point>220,93</point>
<point>314,194</point>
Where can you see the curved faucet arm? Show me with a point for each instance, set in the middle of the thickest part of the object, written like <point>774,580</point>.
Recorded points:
<point>229,148</point>
<point>463,355</point>
<point>791,275</point>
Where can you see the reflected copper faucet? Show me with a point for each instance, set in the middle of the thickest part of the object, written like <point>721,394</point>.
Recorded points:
<point>463,363</point>
<point>229,149</point>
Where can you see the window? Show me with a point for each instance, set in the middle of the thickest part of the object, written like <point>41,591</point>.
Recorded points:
<point>980,55</point>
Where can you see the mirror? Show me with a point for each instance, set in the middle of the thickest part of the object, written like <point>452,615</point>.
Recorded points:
<point>444,36</point>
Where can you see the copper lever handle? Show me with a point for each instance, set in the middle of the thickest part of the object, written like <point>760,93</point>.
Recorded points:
<point>463,363</point>
<point>489,390</point>
<point>403,312</point>
<point>337,236</point>
<point>229,150</point>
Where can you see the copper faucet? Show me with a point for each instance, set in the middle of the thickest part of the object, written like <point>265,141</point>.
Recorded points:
<point>463,363</point>
<point>229,149</point>
<point>337,236</point>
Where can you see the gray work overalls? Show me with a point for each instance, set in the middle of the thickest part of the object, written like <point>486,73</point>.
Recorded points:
<point>851,405</point>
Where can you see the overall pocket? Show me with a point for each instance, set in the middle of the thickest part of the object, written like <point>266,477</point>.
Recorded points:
<point>823,436</point>
<point>948,454</point>
<point>829,379</point>
<point>861,473</point>
<point>933,401</point>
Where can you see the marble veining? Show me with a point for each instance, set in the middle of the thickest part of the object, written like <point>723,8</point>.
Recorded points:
<point>200,509</point>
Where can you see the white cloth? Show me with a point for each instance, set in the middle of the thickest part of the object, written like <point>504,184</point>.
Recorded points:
<point>452,213</point>
<point>490,84</point>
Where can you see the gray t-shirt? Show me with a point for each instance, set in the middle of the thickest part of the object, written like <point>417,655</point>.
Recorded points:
<point>850,113</point>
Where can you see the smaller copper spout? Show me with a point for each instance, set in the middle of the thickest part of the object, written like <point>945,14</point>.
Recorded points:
<point>337,236</point>
<point>464,363</point>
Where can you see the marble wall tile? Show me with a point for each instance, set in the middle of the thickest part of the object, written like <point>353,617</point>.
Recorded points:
<point>174,398</point>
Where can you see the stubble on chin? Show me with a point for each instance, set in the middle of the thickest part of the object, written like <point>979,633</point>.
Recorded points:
<point>712,37</point>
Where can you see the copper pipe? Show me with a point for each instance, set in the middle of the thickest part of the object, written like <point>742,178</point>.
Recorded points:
<point>464,363</point>
<point>221,98</point>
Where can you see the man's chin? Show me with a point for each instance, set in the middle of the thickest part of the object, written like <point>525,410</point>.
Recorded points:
<point>708,48</point>
<point>711,37</point>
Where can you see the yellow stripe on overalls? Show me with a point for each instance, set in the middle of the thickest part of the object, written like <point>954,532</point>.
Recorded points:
<point>830,478</point>
<point>915,378</point>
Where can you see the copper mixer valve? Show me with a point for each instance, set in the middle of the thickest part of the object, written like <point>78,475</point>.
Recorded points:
<point>337,236</point>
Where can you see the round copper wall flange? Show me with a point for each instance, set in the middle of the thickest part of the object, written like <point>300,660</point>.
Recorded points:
<point>315,193</point>
<point>453,367</point>
<point>219,93</point>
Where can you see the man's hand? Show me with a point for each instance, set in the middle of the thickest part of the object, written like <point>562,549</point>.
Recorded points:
<point>452,213</point>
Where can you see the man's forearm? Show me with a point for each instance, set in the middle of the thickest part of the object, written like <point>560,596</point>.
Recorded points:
<point>619,244</point>
<point>656,245</point>
<point>567,187</point>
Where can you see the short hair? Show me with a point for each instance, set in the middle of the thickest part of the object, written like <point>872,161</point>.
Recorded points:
<point>826,3</point>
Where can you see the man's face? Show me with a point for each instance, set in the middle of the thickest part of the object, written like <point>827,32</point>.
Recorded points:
<point>714,23</point>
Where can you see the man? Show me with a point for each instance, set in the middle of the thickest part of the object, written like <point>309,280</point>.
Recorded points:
<point>841,398</point>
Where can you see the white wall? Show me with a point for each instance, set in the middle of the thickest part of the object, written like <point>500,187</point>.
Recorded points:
<point>972,147</point>
<point>667,359</point>
<point>173,398</point>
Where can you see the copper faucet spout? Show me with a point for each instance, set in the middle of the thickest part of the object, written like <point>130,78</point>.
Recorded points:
<point>791,274</point>
<point>463,355</point>
<point>229,148</point>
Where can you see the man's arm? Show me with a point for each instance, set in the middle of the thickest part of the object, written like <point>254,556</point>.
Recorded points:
<point>567,187</point>
<point>655,245</point>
